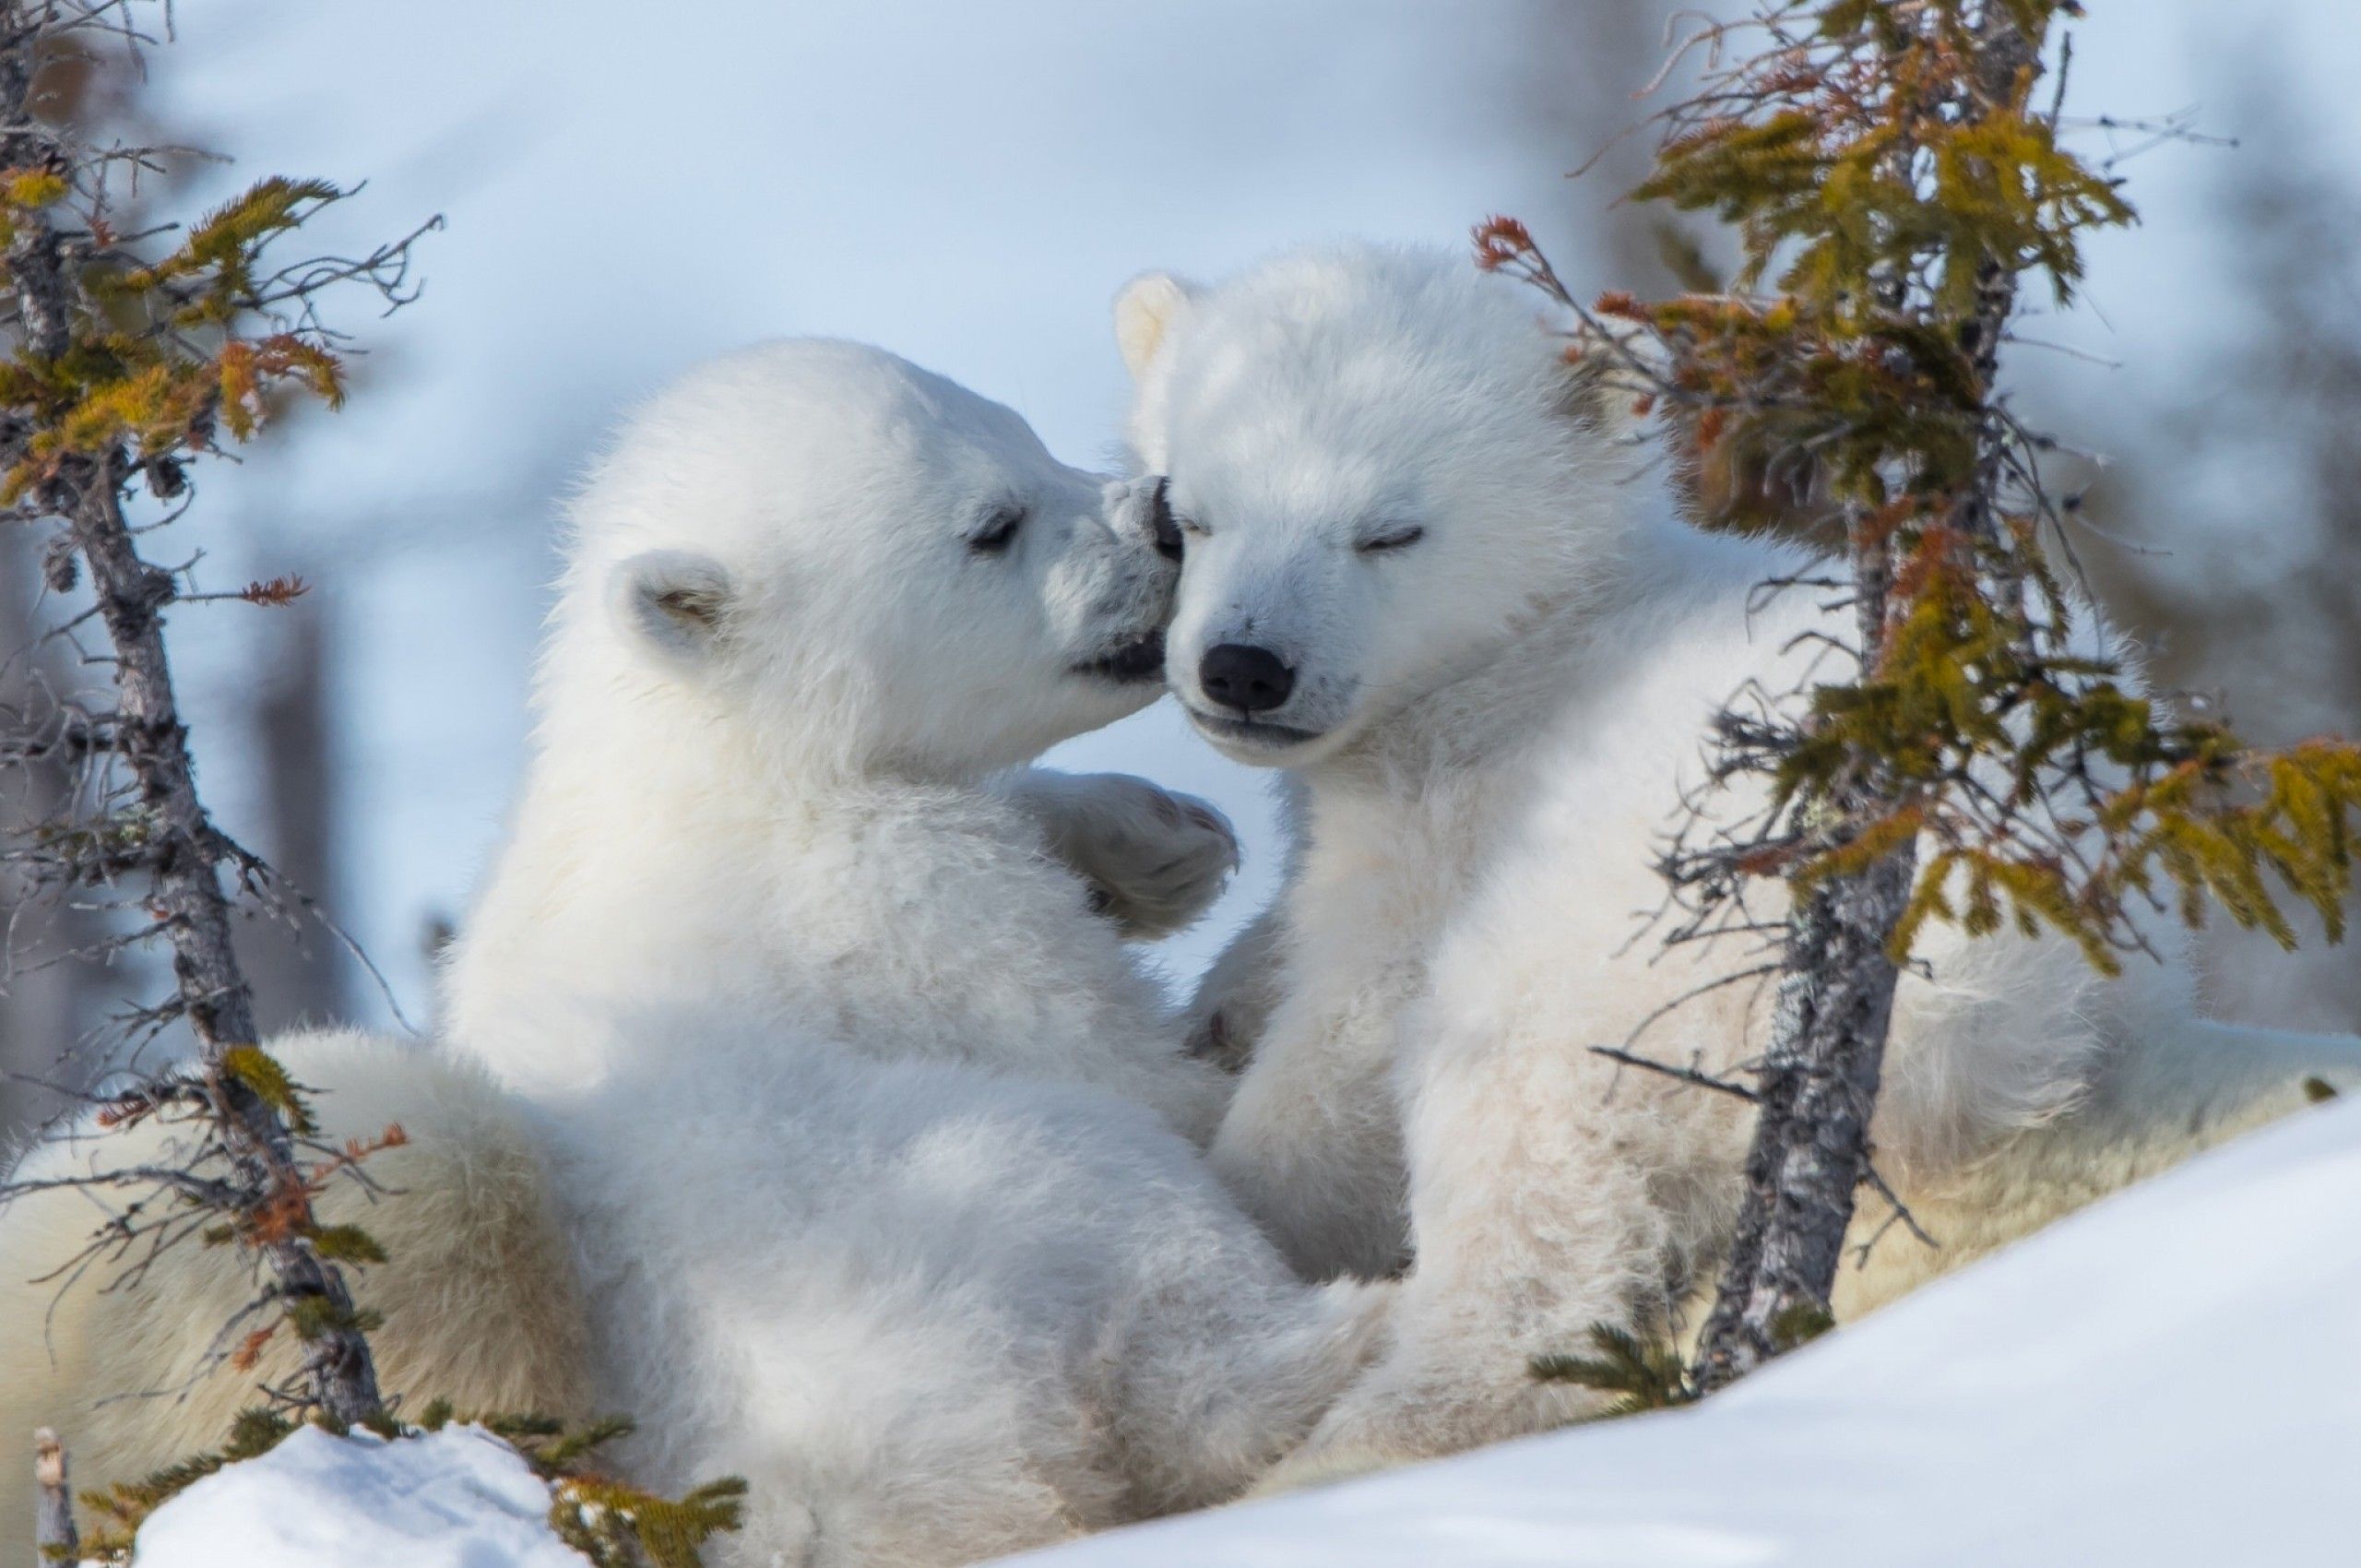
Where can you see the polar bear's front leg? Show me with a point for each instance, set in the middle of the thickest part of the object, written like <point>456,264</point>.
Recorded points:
<point>1232,1006</point>
<point>1312,1145</point>
<point>1531,1222</point>
<point>1550,1193</point>
<point>1154,859</point>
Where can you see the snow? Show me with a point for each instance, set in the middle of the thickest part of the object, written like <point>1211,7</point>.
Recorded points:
<point>2157,1381</point>
<point>2163,1379</point>
<point>458,1498</point>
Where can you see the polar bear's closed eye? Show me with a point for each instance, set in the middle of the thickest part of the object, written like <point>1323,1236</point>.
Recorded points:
<point>1305,414</point>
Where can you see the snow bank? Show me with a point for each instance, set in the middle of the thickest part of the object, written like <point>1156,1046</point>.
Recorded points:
<point>458,1498</point>
<point>2163,1379</point>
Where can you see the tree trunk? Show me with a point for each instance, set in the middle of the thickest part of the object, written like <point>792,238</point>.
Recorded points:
<point>297,969</point>
<point>1819,1081</point>
<point>184,852</point>
<point>194,916</point>
<point>55,1537</point>
<point>1818,1086</point>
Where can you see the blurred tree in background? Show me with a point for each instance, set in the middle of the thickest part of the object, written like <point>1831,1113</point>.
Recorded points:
<point>2228,535</point>
<point>2225,534</point>
<point>137,352</point>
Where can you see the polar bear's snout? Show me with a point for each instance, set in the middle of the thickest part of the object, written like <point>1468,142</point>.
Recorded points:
<point>1270,635</point>
<point>1244,676</point>
<point>1139,660</point>
<point>1385,474</point>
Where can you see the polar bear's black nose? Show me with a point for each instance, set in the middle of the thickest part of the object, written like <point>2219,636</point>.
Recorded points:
<point>1248,678</point>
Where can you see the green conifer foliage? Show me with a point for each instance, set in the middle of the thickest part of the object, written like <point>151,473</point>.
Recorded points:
<point>1636,1371</point>
<point>132,355</point>
<point>1893,176</point>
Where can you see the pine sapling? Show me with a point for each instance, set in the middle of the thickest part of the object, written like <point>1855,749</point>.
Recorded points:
<point>130,358</point>
<point>1894,180</point>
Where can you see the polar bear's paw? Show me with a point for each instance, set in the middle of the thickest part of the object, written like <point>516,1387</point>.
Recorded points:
<point>1324,1466</point>
<point>1374,1428</point>
<point>1409,1408</point>
<point>1154,859</point>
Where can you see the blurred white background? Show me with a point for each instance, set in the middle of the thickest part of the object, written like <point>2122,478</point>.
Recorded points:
<point>630,187</point>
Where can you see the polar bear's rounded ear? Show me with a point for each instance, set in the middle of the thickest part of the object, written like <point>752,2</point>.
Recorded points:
<point>1146,312</point>
<point>671,601</point>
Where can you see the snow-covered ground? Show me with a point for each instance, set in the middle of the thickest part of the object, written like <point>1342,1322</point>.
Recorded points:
<point>2164,1379</point>
<point>458,1498</point>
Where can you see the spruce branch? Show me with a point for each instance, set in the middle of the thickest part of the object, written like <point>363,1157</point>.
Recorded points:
<point>133,356</point>
<point>1957,752</point>
<point>1635,1371</point>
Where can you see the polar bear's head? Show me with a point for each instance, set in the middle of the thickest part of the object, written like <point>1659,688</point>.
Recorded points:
<point>860,563</point>
<point>1382,466</point>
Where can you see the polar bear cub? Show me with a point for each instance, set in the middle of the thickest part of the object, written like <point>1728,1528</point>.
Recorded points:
<point>1424,577</point>
<point>482,1304</point>
<point>873,1143</point>
<point>797,1096</point>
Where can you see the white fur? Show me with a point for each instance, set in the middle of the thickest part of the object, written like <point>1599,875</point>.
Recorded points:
<point>803,1105</point>
<point>1155,861</point>
<point>872,1141</point>
<point>1492,729</point>
<point>480,1303</point>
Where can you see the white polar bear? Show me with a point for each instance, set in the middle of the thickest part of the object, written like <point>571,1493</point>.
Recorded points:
<point>864,1136</point>
<point>869,1134</point>
<point>1426,577</point>
<point>480,1306</point>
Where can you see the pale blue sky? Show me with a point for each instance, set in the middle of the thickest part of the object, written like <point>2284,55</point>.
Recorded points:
<point>629,189</point>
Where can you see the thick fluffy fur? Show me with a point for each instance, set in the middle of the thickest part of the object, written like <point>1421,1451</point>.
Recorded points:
<point>1490,724</point>
<point>873,1143</point>
<point>798,1100</point>
<point>481,1304</point>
